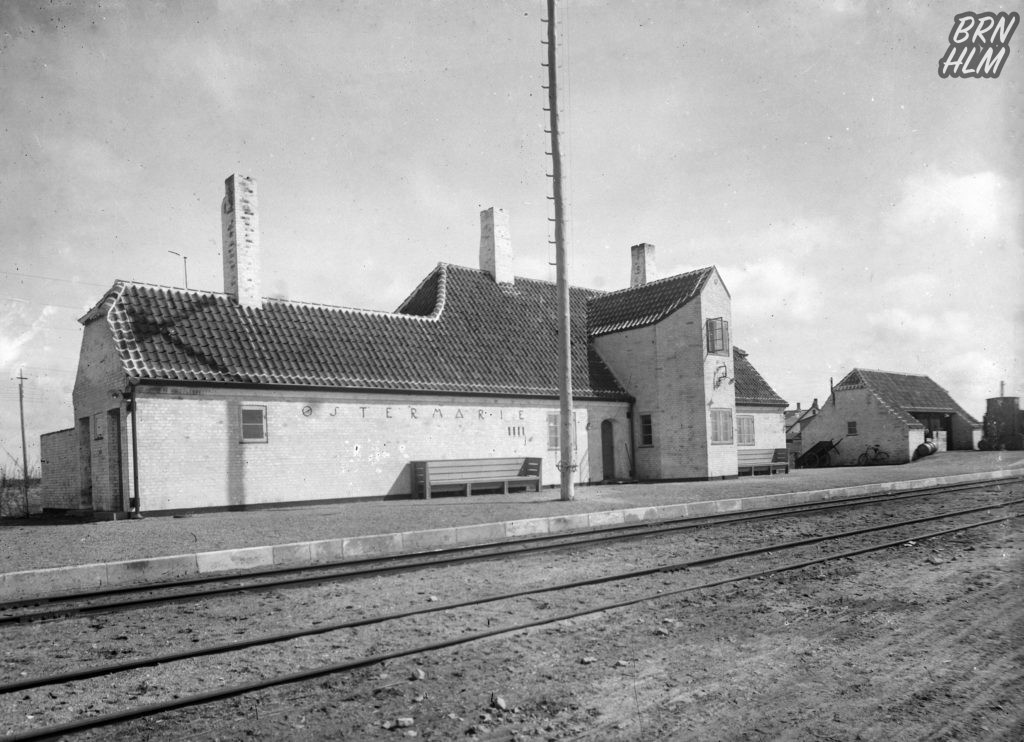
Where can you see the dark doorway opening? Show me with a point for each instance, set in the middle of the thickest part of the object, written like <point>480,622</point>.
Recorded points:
<point>607,450</point>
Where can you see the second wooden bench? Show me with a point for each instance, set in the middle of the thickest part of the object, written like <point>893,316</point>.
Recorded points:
<point>762,460</point>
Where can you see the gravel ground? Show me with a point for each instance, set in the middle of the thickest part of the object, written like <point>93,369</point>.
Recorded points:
<point>920,641</point>
<point>40,543</point>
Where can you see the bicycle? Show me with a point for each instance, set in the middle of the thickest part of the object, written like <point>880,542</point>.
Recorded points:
<point>873,456</point>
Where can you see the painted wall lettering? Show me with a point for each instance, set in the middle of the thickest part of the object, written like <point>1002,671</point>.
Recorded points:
<point>374,412</point>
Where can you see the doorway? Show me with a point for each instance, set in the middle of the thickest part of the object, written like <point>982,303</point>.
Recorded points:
<point>607,451</point>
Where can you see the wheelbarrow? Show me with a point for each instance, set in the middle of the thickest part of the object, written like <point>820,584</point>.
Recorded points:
<point>817,455</point>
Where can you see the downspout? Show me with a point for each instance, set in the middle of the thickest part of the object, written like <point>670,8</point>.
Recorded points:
<point>134,513</point>
<point>632,440</point>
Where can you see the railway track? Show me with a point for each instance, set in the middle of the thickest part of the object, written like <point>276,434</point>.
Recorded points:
<point>910,530</point>
<point>131,597</point>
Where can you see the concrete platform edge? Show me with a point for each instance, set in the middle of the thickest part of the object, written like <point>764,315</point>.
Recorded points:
<point>28,584</point>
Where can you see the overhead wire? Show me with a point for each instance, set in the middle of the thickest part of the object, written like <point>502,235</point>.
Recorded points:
<point>19,274</point>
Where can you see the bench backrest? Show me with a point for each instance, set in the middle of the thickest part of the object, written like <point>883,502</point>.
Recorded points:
<point>459,470</point>
<point>751,456</point>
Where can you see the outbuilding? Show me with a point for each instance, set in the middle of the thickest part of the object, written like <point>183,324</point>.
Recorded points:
<point>190,399</point>
<point>896,412</point>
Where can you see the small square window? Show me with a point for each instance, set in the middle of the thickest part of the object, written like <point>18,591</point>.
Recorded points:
<point>744,430</point>
<point>254,424</point>
<point>646,430</point>
<point>721,426</point>
<point>851,428</point>
<point>718,336</point>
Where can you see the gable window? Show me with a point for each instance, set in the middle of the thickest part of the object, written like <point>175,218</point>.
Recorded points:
<point>851,427</point>
<point>718,336</point>
<point>554,432</point>
<point>721,426</point>
<point>744,430</point>
<point>254,424</point>
<point>646,430</point>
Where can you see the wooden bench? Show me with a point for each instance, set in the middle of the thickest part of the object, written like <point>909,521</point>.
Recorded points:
<point>464,473</point>
<point>762,461</point>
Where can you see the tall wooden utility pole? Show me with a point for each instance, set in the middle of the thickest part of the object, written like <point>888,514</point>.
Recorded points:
<point>567,464</point>
<point>24,448</point>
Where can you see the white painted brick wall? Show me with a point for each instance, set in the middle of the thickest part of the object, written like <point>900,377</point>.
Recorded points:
<point>632,357</point>
<point>715,302</point>
<point>876,424</point>
<point>100,377</point>
<point>769,426</point>
<point>326,446</point>
<point>666,369</point>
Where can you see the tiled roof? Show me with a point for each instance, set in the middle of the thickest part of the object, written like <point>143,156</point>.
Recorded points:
<point>644,305</point>
<point>905,393</point>
<point>751,388</point>
<point>459,332</point>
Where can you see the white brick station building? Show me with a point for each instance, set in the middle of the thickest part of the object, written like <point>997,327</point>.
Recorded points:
<point>191,399</point>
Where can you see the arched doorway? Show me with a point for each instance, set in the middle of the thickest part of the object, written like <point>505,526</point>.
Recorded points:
<point>607,450</point>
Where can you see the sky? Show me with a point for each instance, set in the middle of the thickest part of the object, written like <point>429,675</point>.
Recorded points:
<point>862,210</point>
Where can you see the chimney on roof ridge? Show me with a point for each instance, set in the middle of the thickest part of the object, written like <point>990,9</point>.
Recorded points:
<point>496,245</point>
<point>642,270</point>
<point>240,232</point>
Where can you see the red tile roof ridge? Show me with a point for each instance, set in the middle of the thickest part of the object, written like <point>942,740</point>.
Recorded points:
<point>520,279</point>
<point>120,286</point>
<point>112,295</point>
<point>666,279</point>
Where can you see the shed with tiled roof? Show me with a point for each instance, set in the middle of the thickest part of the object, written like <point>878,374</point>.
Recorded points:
<point>898,412</point>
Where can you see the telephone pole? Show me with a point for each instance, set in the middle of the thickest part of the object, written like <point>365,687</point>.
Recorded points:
<point>567,432</point>
<point>24,448</point>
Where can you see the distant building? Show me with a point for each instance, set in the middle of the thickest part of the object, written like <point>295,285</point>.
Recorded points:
<point>796,420</point>
<point>1003,424</point>
<point>190,399</point>
<point>898,412</point>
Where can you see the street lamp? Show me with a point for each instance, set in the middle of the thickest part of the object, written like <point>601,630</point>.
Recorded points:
<point>184,259</point>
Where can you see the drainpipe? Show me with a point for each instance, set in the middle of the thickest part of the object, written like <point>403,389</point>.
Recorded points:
<point>632,441</point>
<point>134,513</point>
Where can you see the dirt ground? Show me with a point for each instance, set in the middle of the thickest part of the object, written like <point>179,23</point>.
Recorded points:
<point>922,641</point>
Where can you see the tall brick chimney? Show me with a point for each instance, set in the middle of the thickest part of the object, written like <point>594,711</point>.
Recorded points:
<point>496,245</point>
<point>642,270</point>
<point>240,232</point>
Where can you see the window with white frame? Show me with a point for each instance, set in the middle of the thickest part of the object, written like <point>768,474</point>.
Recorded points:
<point>744,430</point>
<point>718,336</point>
<point>721,426</point>
<point>851,427</point>
<point>254,424</point>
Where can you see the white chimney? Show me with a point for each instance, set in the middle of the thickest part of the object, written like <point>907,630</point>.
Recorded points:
<point>643,270</point>
<point>496,245</point>
<point>240,231</point>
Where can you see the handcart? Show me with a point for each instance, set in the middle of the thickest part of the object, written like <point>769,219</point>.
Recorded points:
<point>818,455</point>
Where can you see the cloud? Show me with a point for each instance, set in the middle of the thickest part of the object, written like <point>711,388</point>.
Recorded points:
<point>17,329</point>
